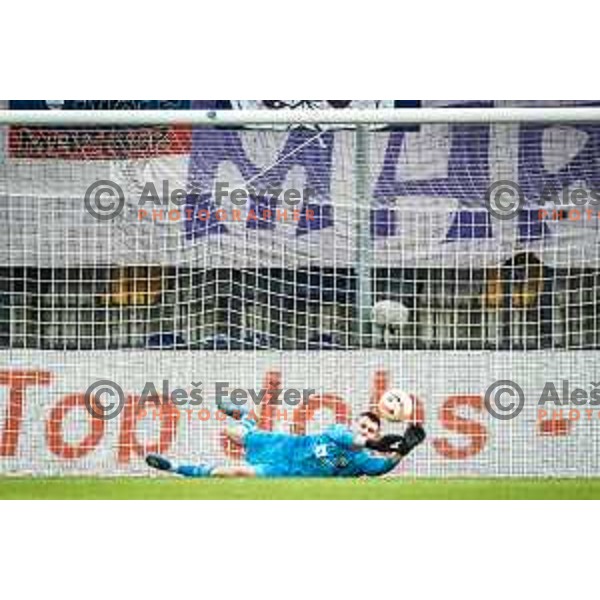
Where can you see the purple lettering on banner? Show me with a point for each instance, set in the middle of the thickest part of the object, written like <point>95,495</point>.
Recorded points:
<point>470,224</point>
<point>466,181</point>
<point>383,222</point>
<point>308,149</point>
<point>201,220</point>
<point>258,204</point>
<point>530,226</point>
<point>534,177</point>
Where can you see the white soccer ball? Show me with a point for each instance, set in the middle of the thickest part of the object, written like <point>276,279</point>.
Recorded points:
<point>396,405</point>
<point>388,313</point>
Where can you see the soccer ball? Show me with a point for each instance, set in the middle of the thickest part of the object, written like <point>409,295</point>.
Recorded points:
<point>396,405</point>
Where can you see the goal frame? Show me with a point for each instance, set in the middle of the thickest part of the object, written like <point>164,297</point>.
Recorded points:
<point>225,118</point>
<point>447,379</point>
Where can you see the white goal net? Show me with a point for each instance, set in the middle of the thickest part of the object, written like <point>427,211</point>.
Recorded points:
<point>458,261</point>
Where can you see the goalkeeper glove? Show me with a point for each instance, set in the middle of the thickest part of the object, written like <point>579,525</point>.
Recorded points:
<point>399,444</point>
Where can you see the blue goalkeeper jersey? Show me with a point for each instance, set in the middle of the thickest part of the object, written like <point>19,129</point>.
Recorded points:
<point>327,454</point>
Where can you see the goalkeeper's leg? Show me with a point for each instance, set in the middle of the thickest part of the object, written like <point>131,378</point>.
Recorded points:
<point>204,470</point>
<point>240,424</point>
<point>201,470</point>
<point>235,471</point>
<point>208,471</point>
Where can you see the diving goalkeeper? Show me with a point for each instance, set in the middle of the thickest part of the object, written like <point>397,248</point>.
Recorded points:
<point>339,451</point>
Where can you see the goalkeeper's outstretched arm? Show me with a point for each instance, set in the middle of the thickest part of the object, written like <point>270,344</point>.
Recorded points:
<point>396,446</point>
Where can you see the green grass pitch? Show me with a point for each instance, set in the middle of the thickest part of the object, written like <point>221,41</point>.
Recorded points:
<point>368,489</point>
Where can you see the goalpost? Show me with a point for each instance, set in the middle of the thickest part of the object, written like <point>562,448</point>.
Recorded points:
<point>450,252</point>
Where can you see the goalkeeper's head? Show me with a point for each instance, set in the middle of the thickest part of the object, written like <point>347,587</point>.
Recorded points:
<point>368,426</point>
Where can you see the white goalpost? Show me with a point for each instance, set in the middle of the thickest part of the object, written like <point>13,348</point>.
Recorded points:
<point>345,116</point>
<point>449,252</point>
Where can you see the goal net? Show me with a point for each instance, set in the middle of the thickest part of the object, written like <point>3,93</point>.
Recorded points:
<point>310,264</point>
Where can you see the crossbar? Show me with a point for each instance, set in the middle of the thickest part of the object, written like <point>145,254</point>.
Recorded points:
<point>224,118</point>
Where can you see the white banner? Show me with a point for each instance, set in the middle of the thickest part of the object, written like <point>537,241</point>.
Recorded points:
<point>426,197</point>
<point>45,429</point>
